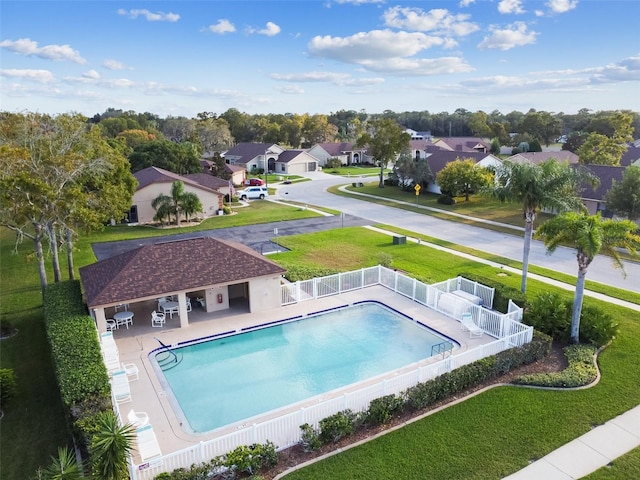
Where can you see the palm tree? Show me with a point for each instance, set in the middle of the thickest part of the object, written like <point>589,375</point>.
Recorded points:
<point>64,467</point>
<point>549,185</point>
<point>110,448</point>
<point>177,203</point>
<point>589,235</point>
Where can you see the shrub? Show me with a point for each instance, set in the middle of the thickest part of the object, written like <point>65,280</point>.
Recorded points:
<point>382,409</point>
<point>391,182</point>
<point>551,314</point>
<point>580,371</point>
<point>334,163</point>
<point>548,313</point>
<point>447,384</point>
<point>445,199</point>
<point>310,438</point>
<point>385,259</point>
<point>226,210</point>
<point>297,272</point>
<point>337,426</point>
<point>8,385</point>
<point>252,458</point>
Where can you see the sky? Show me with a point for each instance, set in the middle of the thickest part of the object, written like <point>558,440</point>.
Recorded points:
<point>179,58</point>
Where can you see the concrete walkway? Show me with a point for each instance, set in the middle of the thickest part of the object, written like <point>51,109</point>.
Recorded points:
<point>588,453</point>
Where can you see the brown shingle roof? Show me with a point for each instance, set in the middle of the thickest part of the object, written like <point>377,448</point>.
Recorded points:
<point>152,175</point>
<point>167,267</point>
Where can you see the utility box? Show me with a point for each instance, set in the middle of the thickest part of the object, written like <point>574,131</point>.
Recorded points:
<point>399,240</point>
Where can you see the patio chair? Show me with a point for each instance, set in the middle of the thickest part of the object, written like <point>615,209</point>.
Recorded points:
<point>137,419</point>
<point>132,371</point>
<point>467,324</point>
<point>111,325</point>
<point>157,319</point>
<point>147,441</point>
<point>188,304</point>
<point>111,361</point>
<point>120,386</point>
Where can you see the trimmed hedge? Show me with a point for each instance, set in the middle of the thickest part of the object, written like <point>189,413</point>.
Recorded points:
<point>581,370</point>
<point>503,293</point>
<point>8,385</point>
<point>425,394</point>
<point>75,349</point>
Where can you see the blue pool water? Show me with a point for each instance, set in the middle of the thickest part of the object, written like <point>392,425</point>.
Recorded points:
<point>226,380</point>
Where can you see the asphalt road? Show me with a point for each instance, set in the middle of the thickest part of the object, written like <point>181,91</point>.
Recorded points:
<point>509,246</point>
<point>360,213</point>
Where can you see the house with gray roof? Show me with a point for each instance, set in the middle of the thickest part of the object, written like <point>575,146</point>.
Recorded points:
<point>295,162</point>
<point>254,156</point>
<point>217,271</point>
<point>346,152</point>
<point>153,181</point>
<point>594,198</point>
<point>439,159</point>
<point>463,144</point>
<point>538,157</point>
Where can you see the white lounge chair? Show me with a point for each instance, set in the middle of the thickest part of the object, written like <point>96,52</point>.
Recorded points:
<point>467,324</point>
<point>132,371</point>
<point>157,319</point>
<point>120,386</point>
<point>148,447</point>
<point>137,419</point>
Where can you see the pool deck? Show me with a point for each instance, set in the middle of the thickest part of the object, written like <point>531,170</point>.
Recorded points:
<point>148,395</point>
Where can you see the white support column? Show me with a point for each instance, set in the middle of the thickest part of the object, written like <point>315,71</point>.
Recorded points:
<point>101,320</point>
<point>184,316</point>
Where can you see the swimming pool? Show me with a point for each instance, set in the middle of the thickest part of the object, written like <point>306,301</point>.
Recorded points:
<point>226,380</point>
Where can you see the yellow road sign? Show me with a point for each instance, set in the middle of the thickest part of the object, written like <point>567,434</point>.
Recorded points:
<point>417,189</point>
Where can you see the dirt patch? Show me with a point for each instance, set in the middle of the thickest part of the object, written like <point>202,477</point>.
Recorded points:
<point>289,458</point>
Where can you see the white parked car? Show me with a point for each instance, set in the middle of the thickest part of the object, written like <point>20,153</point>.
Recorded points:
<point>253,193</point>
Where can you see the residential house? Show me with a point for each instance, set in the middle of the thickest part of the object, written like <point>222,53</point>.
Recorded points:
<point>295,162</point>
<point>593,198</point>
<point>344,151</point>
<point>153,181</point>
<point>631,156</point>
<point>421,148</point>
<point>463,144</point>
<point>254,156</point>
<point>439,159</point>
<point>415,135</point>
<point>538,157</point>
<point>238,173</point>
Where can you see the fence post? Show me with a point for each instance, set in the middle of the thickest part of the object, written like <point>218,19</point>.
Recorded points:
<point>202,459</point>
<point>362,278</point>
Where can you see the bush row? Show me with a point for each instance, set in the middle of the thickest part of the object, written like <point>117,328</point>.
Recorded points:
<point>382,410</point>
<point>298,272</point>
<point>551,313</point>
<point>8,385</point>
<point>502,292</point>
<point>581,370</point>
<point>242,460</point>
<point>75,349</point>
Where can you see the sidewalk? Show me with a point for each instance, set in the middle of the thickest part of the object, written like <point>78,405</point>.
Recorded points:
<point>587,453</point>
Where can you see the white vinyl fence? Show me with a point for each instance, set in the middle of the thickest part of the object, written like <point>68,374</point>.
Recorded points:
<point>284,431</point>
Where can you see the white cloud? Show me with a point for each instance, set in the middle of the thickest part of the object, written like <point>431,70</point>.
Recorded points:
<point>342,79</point>
<point>291,90</point>
<point>91,74</point>
<point>466,3</point>
<point>516,35</point>
<point>625,70</point>
<point>562,6</point>
<point>223,26</point>
<point>510,6</point>
<point>40,76</point>
<point>111,64</point>
<point>375,45</point>
<point>270,30</point>
<point>419,66</point>
<point>149,16</point>
<point>438,20</point>
<point>28,47</point>
<point>359,2</point>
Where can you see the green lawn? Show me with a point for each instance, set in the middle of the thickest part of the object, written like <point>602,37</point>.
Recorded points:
<point>355,171</point>
<point>33,426</point>
<point>496,432</point>
<point>519,424</point>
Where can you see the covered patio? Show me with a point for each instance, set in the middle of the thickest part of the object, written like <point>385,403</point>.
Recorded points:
<point>202,276</point>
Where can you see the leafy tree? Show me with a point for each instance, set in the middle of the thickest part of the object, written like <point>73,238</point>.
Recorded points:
<point>133,138</point>
<point>424,175</point>
<point>385,140</point>
<point>601,149</point>
<point>463,177</point>
<point>550,185</point>
<point>574,141</point>
<point>478,124</point>
<point>495,147</point>
<point>317,129</point>
<point>589,235</point>
<point>58,174</point>
<point>534,146</point>
<point>404,171</point>
<point>623,198</point>
<point>110,448</point>
<point>176,204</point>
<point>178,129</point>
<point>542,126</point>
<point>179,158</point>
<point>213,135</point>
